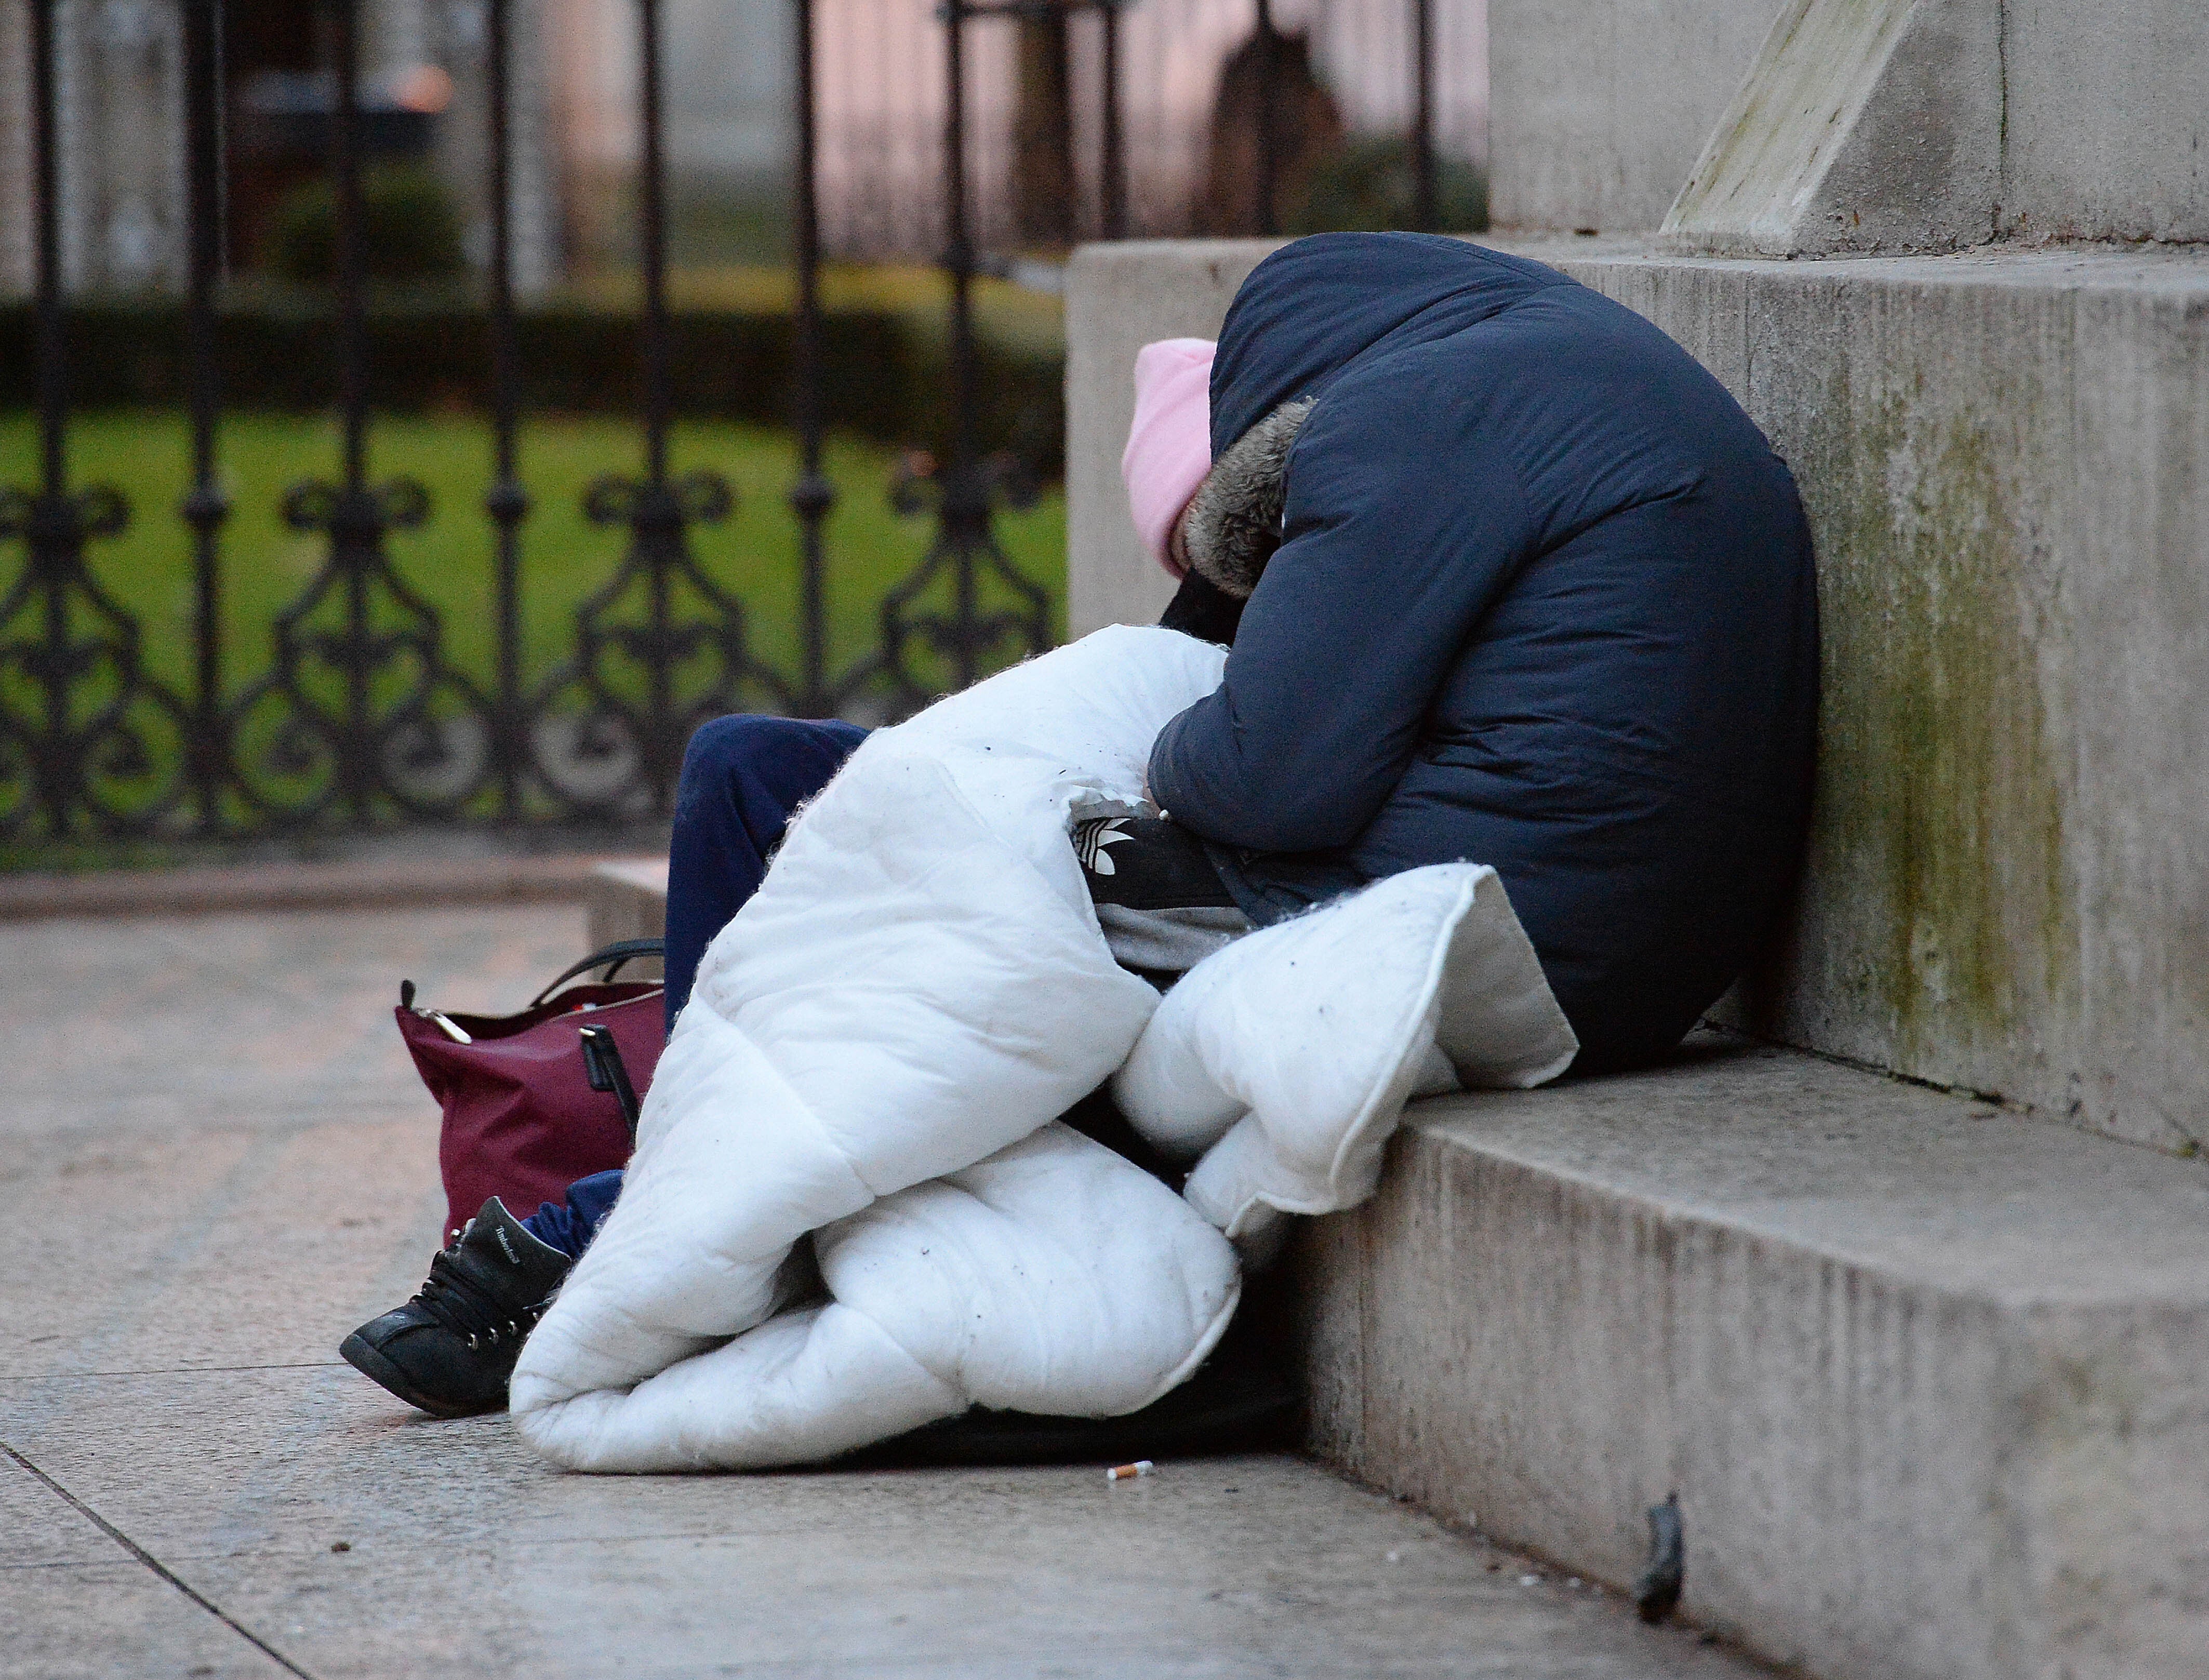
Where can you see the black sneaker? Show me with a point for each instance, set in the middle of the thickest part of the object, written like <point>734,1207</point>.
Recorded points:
<point>451,1349</point>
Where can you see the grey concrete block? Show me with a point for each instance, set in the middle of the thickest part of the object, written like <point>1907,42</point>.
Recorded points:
<point>2106,126</point>
<point>1931,1381</point>
<point>117,1621</point>
<point>1864,125</point>
<point>1926,125</point>
<point>359,884</point>
<point>463,1553</point>
<point>40,1530</point>
<point>190,1248</point>
<point>1118,299</point>
<point>626,898</point>
<point>226,1156</point>
<point>1597,109</point>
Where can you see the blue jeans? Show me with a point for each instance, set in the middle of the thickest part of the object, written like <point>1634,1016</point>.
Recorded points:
<point>742,779</point>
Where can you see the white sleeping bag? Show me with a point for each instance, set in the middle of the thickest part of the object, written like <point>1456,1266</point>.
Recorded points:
<point>1284,1061</point>
<point>1052,1277</point>
<point>919,985</point>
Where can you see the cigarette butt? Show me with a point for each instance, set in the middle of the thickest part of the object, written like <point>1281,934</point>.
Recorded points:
<point>1124,1472</point>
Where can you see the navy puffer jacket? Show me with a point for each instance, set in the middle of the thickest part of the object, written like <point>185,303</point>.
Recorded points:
<point>1544,599</point>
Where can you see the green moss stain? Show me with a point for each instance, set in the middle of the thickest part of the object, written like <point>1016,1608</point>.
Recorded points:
<point>1941,804</point>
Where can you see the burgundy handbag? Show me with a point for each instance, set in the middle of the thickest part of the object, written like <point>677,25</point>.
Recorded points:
<point>536,1100</point>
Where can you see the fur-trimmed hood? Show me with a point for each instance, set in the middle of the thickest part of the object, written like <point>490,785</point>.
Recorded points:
<point>1286,343</point>
<point>1233,523</point>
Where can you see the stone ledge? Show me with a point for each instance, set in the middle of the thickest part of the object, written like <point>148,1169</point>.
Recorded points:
<point>1931,1380</point>
<point>626,898</point>
<point>338,886</point>
<point>1119,297</point>
<point>2004,457</point>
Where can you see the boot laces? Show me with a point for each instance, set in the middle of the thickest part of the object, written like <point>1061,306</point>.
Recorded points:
<point>462,1305</point>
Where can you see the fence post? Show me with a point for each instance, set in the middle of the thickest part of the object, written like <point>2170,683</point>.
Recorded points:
<point>45,167</point>
<point>52,540</point>
<point>656,516</point>
<point>965,509</point>
<point>1113,165</point>
<point>358,524</point>
<point>372,754</point>
<point>658,510</point>
<point>505,501</point>
<point>55,524</point>
<point>205,506</point>
<point>811,495</point>
<point>1426,212</point>
<point>1268,208</point>
<point>966,487</point>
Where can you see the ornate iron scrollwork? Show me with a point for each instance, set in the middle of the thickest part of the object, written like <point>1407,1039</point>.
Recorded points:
<point>659,650</point>
<point>362,709</point>
<point>85,732</point>
<point>966,609</point>
<point>360,718</point>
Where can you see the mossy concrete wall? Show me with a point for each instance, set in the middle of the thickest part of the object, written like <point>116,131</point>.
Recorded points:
<point>2005,462</point>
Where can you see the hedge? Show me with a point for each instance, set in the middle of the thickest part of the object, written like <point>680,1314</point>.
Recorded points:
<point>882,377</point>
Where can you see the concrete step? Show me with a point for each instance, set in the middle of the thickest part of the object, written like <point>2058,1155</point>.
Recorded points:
<point>406,876</point>
<point>1931,1380</point>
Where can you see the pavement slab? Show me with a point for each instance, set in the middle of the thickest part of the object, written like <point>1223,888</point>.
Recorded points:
<point>226,1162</point>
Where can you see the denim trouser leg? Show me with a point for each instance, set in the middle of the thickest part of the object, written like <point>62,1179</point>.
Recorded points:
<point>742,779</point>
<point>571,1228</point>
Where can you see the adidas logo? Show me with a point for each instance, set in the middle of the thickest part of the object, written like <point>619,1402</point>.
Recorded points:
<point>1091,838</point>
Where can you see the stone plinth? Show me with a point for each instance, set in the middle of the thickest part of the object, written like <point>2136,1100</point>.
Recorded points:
<point>626,898</point>
<point>1923,125</point>
<point>1931,1381</point>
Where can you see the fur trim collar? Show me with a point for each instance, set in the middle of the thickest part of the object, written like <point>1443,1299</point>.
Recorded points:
<point>1233,524</point>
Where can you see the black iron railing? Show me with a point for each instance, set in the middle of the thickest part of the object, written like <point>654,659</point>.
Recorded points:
<point>362,716</point>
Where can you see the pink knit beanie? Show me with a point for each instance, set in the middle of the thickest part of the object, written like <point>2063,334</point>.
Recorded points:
<point>1169,445</point>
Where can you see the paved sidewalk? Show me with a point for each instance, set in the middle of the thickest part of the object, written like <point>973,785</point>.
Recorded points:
<point>215,1159</point>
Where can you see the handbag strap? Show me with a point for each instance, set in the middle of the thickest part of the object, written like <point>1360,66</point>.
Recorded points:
<point>610,958</point>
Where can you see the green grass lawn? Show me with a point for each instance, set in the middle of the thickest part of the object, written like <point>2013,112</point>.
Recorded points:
<point>449,559</point>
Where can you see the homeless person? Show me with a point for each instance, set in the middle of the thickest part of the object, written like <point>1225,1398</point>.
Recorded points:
<point>1507,579</point>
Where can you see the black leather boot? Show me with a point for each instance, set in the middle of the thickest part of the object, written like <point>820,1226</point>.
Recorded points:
<point>450,1350</point>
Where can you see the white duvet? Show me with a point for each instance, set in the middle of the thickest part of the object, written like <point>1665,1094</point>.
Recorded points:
<point>852,1210</point>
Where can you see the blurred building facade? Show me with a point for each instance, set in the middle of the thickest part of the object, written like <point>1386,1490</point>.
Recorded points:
<point>119,83</point>
<point>1035,120</point>
<point>120,127</point>
<point>882,93</point>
